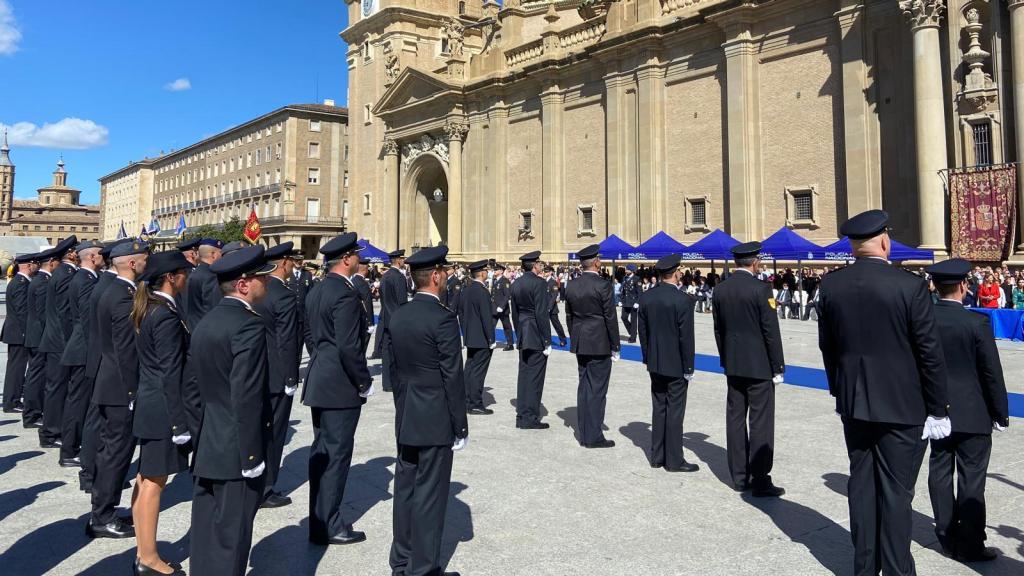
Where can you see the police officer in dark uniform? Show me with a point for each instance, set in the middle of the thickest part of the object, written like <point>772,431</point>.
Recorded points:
<point>13,334</point>
<point>55,336</point>
<point>202,291</point>
<point>977,406</point>
<point>750,350</point>
<point>430,415</point>
<point>35,378</point>
<point>453,292</point>
<point>529,298</point>
<point>554,296</point>
<point>189,249</point>
<point>667,343</point>
<point>279,310</point>
<point>299,281</point>
<point>117,381</point>
<point>477,323</point>
<point>394,292</point>
<point>629,297</point>
<point>594,332</point>
<point>77,350</point>
<point>362,287</point>
<point>501,294</point>
<point>885,367</point>
<point>229,352</point>
<point>337,386</point>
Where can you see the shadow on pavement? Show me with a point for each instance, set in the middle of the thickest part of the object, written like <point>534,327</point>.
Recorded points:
<point>543,409</point>
<point>15,500</point>
<point>713,455</point>
<point>639,433</point>
<point>287,551</point>
<point>6,438</point>
<point>122,563</point>
<point>9,462</point>
<point>60,540</point>
<point>570,419</point>
<point>458,524</point>
<point>488,398</point>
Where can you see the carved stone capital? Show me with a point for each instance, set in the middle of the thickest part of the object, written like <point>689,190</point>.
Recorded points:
<point>923,13</point>
<point>455,131</point>
<point>390,147</point>
<point>1014,4</point>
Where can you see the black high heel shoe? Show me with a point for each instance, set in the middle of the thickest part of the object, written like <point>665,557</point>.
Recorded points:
<point>140,569</point>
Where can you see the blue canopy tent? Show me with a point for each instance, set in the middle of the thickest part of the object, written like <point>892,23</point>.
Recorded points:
<point>612,248</point>
<point>658,246</point>
<point>372,253</point>
<point>785,244</point>
<point>714,246</point>
<point>841,250</point>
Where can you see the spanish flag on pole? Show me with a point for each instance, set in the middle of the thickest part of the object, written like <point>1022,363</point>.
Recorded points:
<point>252,227</point>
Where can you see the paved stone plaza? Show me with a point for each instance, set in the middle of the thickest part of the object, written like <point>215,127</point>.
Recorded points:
<point>535,503</point>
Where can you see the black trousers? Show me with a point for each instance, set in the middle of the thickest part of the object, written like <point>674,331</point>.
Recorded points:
<point>751,451</point>
<point>90,442</point>
<point>329,460</point>
<point>386,359</point>
<point>54,395</point>
<point>506,327</point>
<point>35,382</point>
<point>668,399</point>
<point>478,360</point>
<point>222,516</point>
<point>378,338</point>
<point>884,462</point>
<point>556,323</point>
<point>113,458</point>
<point>533,365</point>
<point>281,406</point>
<point>14,378</point>
<point>629,319</point>
<point>75,406</point>
<point>592,395</point>
<point>959,518</point>
<point>422,478</point>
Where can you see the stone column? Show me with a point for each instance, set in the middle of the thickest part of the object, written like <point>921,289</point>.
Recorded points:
<point>552,210</point>
<point>929,119</point>
<point>1017,57</point>
<point>651,145</point>
<point>389,203</point>
<point>620,157</point>
<point>500,240</point>
<point>455,132</point>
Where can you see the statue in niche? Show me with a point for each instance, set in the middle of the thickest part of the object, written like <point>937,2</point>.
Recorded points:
<point>456,35</point>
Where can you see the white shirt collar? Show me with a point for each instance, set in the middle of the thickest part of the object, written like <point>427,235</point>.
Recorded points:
<point>747,271</point>
<point>69,264</point>
<point>481,282</point>
<point>590,272</point>
<point>90,271</point>
<point>951,300</point>
<point>434,296</point>
<point>877,258</point>
<point>41,271</point>
<point>27,277</point>
<point>167,297</point>
<point>110,271</point>
<point>125,280</point>
<point>246,304</point>
<point>360,275</point>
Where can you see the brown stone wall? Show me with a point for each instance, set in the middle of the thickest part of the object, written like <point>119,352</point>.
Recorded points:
<point>524,178</point>
<point>584,145</point>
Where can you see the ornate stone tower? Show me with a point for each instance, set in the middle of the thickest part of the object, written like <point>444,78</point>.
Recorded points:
<point>59,193</point>
<point>6,183</point>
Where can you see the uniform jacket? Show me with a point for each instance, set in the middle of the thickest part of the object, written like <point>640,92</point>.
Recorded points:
<point>17,311</point>
<point>501,295</point>
<point>203,294</point>
<point>530,312</point>
<point>553,295</point>
<point>630,291</point>
<point>666,330</point>
<point>229,355</point>
<point>430,396</point>
<point>117,381</point>
<point>977,392</point>
<point>590,314</point>
<point>77,352</point>
<point>394,292</point>
<point>882,355</point>
<point>337,365</point>
<point>365,297</point>
<point>162,347</point>
<point>58,310</point>
<point>475,316</point>
<point>280,313</point>
<point>747,328</point>
<point>453,292</point>
<point>36,309</point>
<point>92,327</point>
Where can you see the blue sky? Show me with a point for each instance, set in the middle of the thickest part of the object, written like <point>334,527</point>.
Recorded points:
<point>104,82</point>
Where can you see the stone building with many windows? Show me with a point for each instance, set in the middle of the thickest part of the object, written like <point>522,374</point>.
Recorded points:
<point>504,128</point>
<point>289,165</point>
<point>126,199</point>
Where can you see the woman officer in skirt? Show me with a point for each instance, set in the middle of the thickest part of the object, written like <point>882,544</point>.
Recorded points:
<point>161,422</point>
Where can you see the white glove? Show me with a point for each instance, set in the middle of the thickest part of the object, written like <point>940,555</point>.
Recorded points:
<point>777,379</point>
<point>131,405</point>
<point>998,427</point>
<point>371,329</point>
<point>494,345</point>
<point>616,356</point>
<point>499,310</point>
<point>688,377</point>
<point>460,443</point>
<point>369,391</point>
<point>290,390</point>
<point>547,351</point>
<point>183,439</point>
<point>636,306</point>
<point>936,428</point>
<point>254,472</point>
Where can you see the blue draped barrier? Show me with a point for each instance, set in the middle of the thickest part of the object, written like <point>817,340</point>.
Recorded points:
<point>1006,324</point>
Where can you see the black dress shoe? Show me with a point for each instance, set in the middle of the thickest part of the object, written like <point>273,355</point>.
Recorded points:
<point>349,537</point>
<point>480,411</point>
<point>15,410</point>
<point>601,444</point>
<point>49,443</point>
<point>768,490</point>
<point>141,569</point>
<point>116,529</point>
<point>509,348</point>
<point>656,465</point>
<point>741,486</point>
<point>33,424</point>
<point>275,500</point>
<point>982,555</point>
<point>70,463</point>
<point>684,467</point>
<point>534,426</point>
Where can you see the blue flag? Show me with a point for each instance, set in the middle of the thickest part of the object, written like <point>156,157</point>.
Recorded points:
<point>181,225</point>
<point>121,233</point>
<point>154,227</point>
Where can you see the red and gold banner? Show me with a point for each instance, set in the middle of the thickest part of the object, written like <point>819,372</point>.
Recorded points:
<point>983,209</point>
<point>252,228</point>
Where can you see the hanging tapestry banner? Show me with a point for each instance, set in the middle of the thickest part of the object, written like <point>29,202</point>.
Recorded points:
<point>983,210</point>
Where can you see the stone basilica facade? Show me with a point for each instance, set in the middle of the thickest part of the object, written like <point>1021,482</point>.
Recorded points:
<point>500,129</point>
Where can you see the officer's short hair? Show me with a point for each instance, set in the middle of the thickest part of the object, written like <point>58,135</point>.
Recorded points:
<point>588,262</point>
<point>229,286</point>
<point>421,278</point>
<point>748,261</point>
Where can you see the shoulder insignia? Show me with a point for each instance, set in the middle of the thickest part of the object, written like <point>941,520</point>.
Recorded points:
<point>771,302</point>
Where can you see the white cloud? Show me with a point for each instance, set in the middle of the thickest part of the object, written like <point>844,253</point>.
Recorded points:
<point>179,85</point>
<point>9,33</point>
<point>69,133</point>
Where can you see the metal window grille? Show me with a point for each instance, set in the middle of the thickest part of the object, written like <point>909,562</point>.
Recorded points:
<point>982,143</point>
<point>587,219</point>
<point>803,207</point>
<point>698,213</point>
<point>527,218</point>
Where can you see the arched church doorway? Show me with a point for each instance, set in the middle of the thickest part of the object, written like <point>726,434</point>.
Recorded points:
<point>424,207</point>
